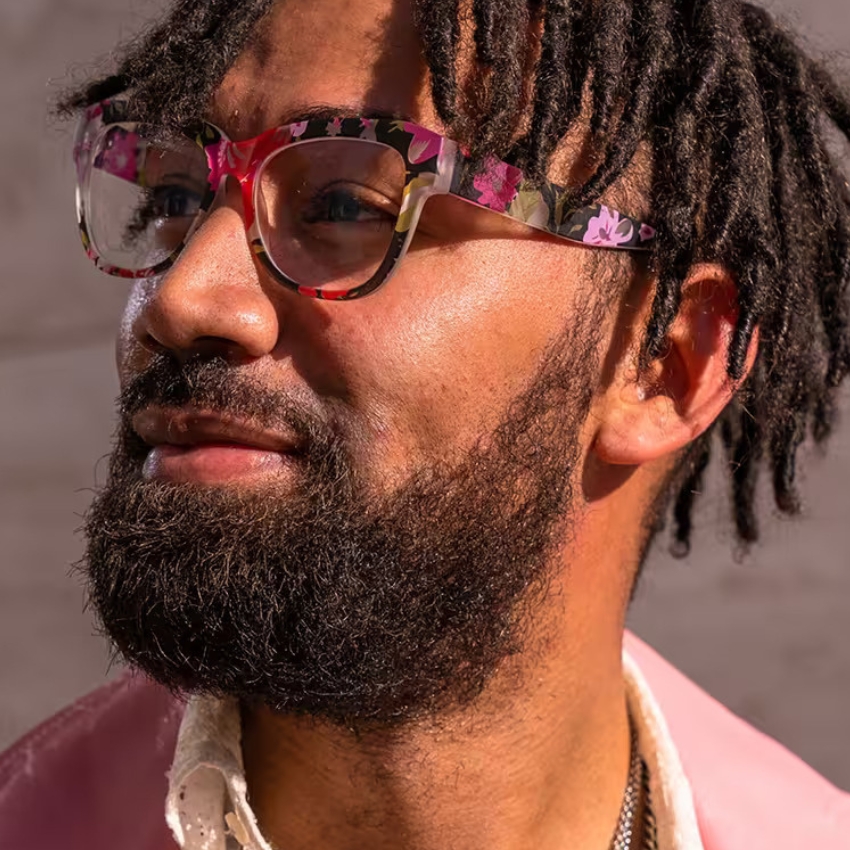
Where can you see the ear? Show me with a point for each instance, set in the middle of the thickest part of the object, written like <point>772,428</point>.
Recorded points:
<point>645,416</point>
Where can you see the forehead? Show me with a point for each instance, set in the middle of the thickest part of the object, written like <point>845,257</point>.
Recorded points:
<point>362,56</point>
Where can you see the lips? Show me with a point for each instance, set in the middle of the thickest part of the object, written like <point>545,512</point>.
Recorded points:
<point>196,446</point>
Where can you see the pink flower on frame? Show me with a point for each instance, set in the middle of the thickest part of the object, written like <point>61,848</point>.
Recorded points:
<point>425,144</point>
<point>646,233</point>
<point>216,162</point>
<point>299,129</point>
<point>334,127</point>
<point>608,230</point>
<point>497,184</point>
<point>367,129</point>
<point>120,157</point>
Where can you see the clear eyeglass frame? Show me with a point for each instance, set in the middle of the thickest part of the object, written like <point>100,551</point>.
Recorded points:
<point>108,143</point>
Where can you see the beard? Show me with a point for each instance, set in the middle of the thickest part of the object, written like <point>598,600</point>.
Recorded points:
<point>324,600</point>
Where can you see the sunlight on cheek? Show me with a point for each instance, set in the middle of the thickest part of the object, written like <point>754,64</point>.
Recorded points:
<point>500,299</point>
<point>462,334</point>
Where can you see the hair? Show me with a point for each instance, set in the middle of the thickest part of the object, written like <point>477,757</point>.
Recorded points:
<point>734,116</point>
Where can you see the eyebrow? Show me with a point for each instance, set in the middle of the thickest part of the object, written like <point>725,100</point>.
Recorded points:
<point>328,112</point>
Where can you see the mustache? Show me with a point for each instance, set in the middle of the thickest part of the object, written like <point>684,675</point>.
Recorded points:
<point>214,384</point>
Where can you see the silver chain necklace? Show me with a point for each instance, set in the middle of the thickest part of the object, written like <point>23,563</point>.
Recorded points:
<point>637,792</point>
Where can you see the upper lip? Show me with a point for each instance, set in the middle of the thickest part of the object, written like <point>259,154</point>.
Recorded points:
<point>192,427</point>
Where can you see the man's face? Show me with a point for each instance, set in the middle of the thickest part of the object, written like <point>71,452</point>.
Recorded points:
<point>377,567</point>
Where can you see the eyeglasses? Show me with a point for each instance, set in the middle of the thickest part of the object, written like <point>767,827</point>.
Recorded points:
<point>330,207</point>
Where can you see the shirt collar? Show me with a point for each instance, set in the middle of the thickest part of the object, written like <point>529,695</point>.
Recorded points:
<point>670,792</point>
<point>207,805</point>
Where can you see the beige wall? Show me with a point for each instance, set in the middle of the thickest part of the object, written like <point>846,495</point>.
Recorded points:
<point>770,638</point>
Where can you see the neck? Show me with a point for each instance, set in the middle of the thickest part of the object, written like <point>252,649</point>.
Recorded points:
<point>539,761</point>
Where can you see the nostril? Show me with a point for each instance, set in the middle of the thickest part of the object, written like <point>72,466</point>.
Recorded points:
<point>150,343</point>
<point>208,347</point>
<point>202,348</point>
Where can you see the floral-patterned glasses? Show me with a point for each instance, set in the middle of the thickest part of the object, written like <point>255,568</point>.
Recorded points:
<point>330,206</point>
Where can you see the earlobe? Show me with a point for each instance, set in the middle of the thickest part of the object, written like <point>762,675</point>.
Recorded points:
<point>649,415</point>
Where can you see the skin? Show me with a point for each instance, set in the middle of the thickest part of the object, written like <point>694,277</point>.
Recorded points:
<point>417,372</point>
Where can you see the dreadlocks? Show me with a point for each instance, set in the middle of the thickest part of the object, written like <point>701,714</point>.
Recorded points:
<point>733,114</point>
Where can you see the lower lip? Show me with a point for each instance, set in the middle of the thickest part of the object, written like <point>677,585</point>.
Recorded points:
<point>213,464</point>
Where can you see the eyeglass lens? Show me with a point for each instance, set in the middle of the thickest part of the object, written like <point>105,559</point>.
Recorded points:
<point>326,208</point>
<point>142,196</point>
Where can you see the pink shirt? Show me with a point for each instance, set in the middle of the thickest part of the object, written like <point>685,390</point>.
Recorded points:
<point>95,777</point>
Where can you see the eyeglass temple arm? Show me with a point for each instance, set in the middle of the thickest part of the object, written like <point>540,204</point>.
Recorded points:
<point>502,188</point>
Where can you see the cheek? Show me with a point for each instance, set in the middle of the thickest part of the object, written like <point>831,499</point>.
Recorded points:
<point>130,357</point>
<point>454,337</point>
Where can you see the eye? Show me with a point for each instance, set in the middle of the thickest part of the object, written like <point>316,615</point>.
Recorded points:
<point>344,206</point>
<point>173,201</point>
<point>162,212</point>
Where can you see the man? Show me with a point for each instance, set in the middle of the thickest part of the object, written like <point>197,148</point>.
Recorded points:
<point>437,309</point>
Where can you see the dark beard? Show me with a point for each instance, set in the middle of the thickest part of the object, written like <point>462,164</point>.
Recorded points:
<point>326,602</point>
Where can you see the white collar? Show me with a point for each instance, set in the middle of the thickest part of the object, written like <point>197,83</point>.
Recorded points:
<point>207,805</point>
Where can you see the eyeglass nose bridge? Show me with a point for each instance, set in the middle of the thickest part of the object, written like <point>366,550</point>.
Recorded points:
<point>242,161</point>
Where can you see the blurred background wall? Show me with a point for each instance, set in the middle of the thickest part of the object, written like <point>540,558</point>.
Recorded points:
<point>769,637</point>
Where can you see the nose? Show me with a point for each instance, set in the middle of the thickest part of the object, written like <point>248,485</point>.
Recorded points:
<point>212,301</point>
